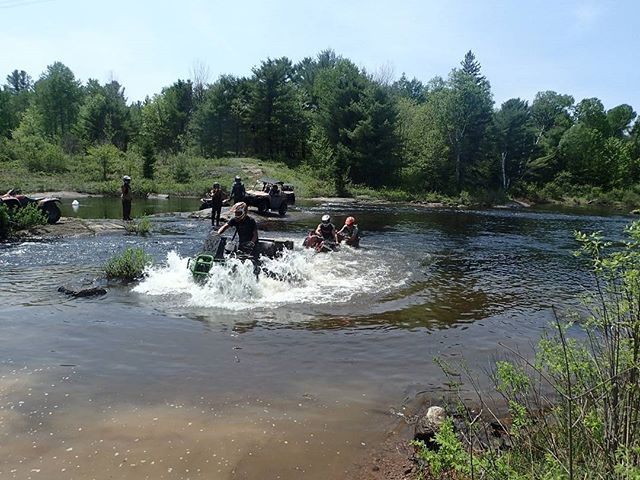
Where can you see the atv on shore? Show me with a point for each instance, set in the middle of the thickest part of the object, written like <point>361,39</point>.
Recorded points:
<point>49,206</point>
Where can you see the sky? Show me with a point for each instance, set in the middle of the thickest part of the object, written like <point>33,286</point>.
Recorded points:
<point>582,48</point>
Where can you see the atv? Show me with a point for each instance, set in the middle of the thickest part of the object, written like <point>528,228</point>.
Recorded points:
<point>218,249</point>
<point>270,194</point>
<point>49,206</point>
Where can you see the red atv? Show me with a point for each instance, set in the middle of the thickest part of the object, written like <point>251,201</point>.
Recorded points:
<point>47,205</point>
<point>320,244</point>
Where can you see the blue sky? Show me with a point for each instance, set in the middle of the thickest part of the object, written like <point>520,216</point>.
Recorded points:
<point>583,48</point>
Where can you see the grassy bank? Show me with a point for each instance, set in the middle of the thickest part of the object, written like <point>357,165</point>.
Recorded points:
<point>184,175</point>
<point>180,175</point>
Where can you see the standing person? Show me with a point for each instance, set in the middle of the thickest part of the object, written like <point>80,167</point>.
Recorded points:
<point>216,204</point>
<point>125,194</point>
<point>350,233</point>
<point>237,190</point>
<point>246,228</point>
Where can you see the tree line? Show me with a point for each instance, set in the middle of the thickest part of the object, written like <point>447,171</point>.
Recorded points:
<point>342,122</point>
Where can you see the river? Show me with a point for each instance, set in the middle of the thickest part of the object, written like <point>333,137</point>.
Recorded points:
<point>256,379</point>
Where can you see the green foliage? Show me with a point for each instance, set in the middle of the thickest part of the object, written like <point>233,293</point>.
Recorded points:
<point>103,158</point>
<point>139,227</point>
<point>5,221</point>
<point>573,409</point>
<point>449,454</point>
<point>27,217</point>
<point>324,115</point>
<point>129,265</point>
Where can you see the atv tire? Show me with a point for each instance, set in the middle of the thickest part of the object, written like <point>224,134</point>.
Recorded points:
<point>283,209</point>
<point>263,206</point>
<point>52,212</point>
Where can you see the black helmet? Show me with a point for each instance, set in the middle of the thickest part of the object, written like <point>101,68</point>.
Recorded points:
<point>216,185</point>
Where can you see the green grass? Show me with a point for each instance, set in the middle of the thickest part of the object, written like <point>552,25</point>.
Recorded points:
<point>196,175</point>
<point>129,265</point>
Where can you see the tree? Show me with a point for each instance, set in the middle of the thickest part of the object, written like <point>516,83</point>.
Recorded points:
<point>581,150</point>
<point>19,81</point>
<point>374,137</point>
<point>104,115</point>
<point>57,99</point>
<point>413,89</point>
<point>619,119</point>
<point>465,108</point>
<point>590,112</point>
<point>216,125</point>
<point>550,117</point>
<point>277,117</point>
<point>339,91</point>
<point>514,138</point>
<point>165,118</point>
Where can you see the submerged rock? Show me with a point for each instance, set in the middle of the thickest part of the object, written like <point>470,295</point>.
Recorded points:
<point>85,292</point>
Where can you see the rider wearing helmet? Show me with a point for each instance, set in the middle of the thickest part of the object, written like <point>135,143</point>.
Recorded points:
<point>246,228</point>
<point>349,232</point>
<point>237,190</point>
<point>125,194</point>
<point>327,230</point>
<point>216,204</point>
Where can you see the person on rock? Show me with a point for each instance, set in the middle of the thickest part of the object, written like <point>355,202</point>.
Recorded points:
<point>237,190</point>
<point>125,194</point>
<point>216,204</point>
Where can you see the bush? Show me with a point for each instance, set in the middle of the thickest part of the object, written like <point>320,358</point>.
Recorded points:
<point>42,156</point>
<point>129,265</point>
<point>574,408</point>
<point>5,221</point>
<point>139,227</point>
<point>28,217</point>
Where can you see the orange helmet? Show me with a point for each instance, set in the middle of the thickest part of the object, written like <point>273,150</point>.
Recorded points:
<point>350,221</point>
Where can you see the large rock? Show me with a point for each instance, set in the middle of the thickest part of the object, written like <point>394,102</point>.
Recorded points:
<point>429,424</point>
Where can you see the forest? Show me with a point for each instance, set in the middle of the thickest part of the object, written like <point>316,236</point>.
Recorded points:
<point>328,117</point>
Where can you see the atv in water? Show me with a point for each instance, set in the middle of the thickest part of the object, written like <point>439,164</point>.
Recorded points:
<point>319,244</point>
<point>47,205</point>
<point>218,249</point>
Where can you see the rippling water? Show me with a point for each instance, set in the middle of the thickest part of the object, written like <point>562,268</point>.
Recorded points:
<point>259,378</point>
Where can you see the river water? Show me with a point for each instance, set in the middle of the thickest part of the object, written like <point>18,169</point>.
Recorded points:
<point>256,379</point>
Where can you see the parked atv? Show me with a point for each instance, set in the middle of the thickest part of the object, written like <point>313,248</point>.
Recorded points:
<point>49,206</point>
<point>272,195</point>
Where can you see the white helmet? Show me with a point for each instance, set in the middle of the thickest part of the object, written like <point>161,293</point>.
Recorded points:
<point>126,178</point>
<point>326,219</point>
<point>239,210</point>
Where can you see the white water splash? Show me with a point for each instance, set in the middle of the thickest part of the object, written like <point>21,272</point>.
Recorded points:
<point>296,277</point>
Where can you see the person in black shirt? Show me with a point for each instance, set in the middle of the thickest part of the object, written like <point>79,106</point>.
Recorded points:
<point>327,230</point>
<point>125,194</point>
<point>216,204</point>
<point>237,190</point>
<point>246,228</point>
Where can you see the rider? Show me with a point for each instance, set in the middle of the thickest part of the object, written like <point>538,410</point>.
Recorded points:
<point>349,232</point>
<point>237,190</point>
<point>246,228</point>
<point>216,204</point>
<point>327,230</point>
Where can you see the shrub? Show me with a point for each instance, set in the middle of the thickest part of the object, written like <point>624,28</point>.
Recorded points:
<point>129,265</point>
<point>5,222</point>
<point>449,454</point>
<point>139,227</point>
<point>28,217</point>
